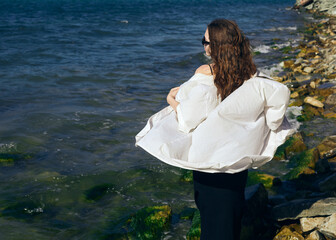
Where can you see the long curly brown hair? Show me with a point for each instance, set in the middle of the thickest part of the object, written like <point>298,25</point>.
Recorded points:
<point>231,54</point>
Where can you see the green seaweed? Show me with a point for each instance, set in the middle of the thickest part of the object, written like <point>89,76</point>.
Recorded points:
<point>255,177</point>
<point>194,232</point>
<point>150,222</point>
<point>286,49</point>
<point>301,163</point>
<point>187,175</point>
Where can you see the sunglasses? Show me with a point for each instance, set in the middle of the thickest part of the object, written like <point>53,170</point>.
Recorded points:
<point>205,42</point>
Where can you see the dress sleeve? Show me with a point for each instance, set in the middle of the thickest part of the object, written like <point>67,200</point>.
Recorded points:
<point>276,96</point>
<point>194,109</point>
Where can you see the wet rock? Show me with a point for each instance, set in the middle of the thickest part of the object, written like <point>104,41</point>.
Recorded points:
<point>287,234</point>
<point>328,228</point>
<point>312,84</point>
<point>294,95</point>
<point>288,64</point>
<point>292,145</point>
<point>314,102</point>
<point>23,209</point>
<point>256,177</point>
<point>276,200</point>
<point>331,99</point>
<point>327,148</point>
<point>308,224</point>
<point>322,166</point>
<point>187,213</point>
<point>308,69</point>
<point>328,184</point>
<point>299,208</point>
<point>303,163</point>
<point>150,222</point>
<point>256,207</point>
<point>315,235</point>
<point>187,175</point>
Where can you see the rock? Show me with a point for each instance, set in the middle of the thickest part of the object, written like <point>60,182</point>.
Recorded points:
<point>327,148</point>
<point>276,200</point>
<point>187,175</point>
<point>288,64</point>
<point>331,99</point>
<point>315,235</point>
<point>314,102</point>
<point>329,114</point>
<point>292,145</point>
<point>312,84</point>
<point>287,234</point>
<point>256,207</point>
<point>328,184</point>
<point>332,163</point>
<point>298,61</point>
<point>97,192</point>
<point>195,230</point>
<point>303,163</point>
<point>304,208</point>
<point>187,213</point>
<point>322,166</point>
<point>308,224</point>
<point>150,222</point>
<point>308,69</point>
<point>255,177</point>
<point>329,227</point>
<point>294,95</point>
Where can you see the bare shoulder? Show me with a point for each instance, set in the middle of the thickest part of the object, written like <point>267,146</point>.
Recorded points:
<point>205,69</point>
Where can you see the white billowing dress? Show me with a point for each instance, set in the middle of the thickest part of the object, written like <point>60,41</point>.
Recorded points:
<point>243,131</point>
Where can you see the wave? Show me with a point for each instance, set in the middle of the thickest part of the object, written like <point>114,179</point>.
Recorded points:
<point>262,49</point>
<point>274,29</point>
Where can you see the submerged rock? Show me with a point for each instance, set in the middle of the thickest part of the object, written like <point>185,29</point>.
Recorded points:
<point>97,192</point>
<point>150,222</point>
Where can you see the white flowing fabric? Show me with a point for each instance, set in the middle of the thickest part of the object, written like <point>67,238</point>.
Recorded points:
<point>243,131</point>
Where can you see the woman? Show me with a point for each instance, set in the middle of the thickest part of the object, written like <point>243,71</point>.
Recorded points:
<point>224,120</point>
<point>220,196</point>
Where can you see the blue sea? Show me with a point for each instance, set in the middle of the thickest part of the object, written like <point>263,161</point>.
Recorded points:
<point>79,80</point>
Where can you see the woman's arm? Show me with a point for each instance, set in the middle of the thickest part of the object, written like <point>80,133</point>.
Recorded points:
<point>171,98</point>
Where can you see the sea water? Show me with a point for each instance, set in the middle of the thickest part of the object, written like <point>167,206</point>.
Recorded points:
<point>79,80</point>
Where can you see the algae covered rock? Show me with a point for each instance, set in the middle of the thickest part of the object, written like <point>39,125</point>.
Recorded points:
<point>187,175</point>
<point>150,222</point>
<point>302,163</point>
<point>293,144</point>
<point>256,177</point>
<point>195,230</point>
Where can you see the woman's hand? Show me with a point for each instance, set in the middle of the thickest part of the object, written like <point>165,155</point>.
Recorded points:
<point>171,97</point>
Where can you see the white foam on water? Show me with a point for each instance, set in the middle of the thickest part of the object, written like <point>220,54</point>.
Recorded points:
<point>274,29</point>
<point>291,114</point>
<point>262,49</point>
<point>270,70</point>
<point>124,21</point>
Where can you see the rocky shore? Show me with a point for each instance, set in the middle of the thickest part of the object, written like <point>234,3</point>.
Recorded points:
<point>302,203</point>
